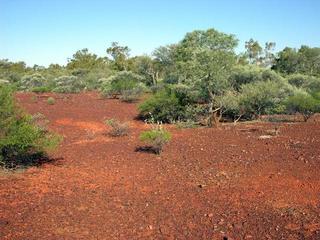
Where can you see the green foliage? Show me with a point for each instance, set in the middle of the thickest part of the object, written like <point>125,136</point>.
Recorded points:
<point>29,82</point>
<point>157,137</point>
<point>303,103</point>
<point>126,84</point>
<point>68,84</point>
<point>19,136</point>
<point>249,74</point>
<point>265,97</point>
<point>43,89</point>
<point>163,106</point>
<point>51,101</point>
<point>119,56</point>
<point>306,61</point>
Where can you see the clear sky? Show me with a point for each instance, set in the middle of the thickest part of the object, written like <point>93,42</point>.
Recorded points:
<point>50,31</point>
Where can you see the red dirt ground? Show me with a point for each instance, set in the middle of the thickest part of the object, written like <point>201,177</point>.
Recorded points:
<point>207,184</point>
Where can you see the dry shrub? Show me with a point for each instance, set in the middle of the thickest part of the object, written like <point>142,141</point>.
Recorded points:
<point>118,128</point>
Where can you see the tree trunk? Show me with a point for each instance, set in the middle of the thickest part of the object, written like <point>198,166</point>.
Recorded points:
<point>214,114</point>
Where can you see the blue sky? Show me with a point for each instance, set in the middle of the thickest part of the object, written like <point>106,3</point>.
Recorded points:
<point>50,31</point>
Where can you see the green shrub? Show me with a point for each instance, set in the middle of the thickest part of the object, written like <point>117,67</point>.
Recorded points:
<point>131,95</point>
<point>123,83</point>
<point>157,137</point>
<point>264,97</point>
<point>42,89</point>
<point>249,74</point>
<point>68,84</point>
<point>21,140</point>
<point>303,103</point>
<point>51,101</point>
<point>28,82</point>
<point>117,128</point>
<point>164,106</point>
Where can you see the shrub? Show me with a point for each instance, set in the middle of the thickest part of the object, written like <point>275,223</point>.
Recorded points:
<point>20,139</point>
<point>299,80</point>
<point>132,95</point>
<point>42,89</point>
<point>117,128</point>
<point>28,82</point>
<point>303,103</point>
<point>157,137</point>
<point>51,101</point>
<point>264,97</point>
<point>164,106</point>
<point>249,74</point>
<point>123,83</point>
<point>68,84</point>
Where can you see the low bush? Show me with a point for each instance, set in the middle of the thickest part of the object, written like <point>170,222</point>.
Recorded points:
<point>42,89</point>
<point>163,106</point>
<point>117,128</point>
<point>264,97</point>
<point>29,82</point>
<point>157,137</point>
<point>68,84</point>
<point>51,101</point>
<point>21,140</point>
<point>124,84</point>
<point>303,103</point>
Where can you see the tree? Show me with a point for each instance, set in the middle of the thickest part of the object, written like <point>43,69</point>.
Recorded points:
<point>253,51</point>
<point>306,61</point>
<point>147,67</point>
<point>303,103</point>
<point>257,55</point>
<point>205,60</point>
<point>119,55</point>
<point>85,60</point>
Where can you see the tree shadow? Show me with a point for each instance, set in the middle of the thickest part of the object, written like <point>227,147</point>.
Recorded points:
<point>30,160</point>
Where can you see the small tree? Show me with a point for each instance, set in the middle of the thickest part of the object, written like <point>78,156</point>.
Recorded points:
<point>205,60</point>
<point>303,103</point>
<point>123,84</point>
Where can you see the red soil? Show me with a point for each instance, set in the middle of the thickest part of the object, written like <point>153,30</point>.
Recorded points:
<point>207,184</point>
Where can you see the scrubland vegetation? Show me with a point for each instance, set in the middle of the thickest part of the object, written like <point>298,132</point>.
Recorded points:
<point>200,80</point>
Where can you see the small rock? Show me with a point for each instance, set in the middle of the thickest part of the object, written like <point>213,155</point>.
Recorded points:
<point>292,227</point>
<point>312,227</point>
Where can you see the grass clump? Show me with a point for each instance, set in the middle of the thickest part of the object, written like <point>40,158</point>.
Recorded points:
<point>118,128</point>
<point>51,101</point>
<point>157,137</point>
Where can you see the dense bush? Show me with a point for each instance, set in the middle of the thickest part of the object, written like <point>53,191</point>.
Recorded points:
<point>68,84</point>
<point>249,74</point>
<point>36,80</point>
<point>163,106</point>
<point>264,97</point>
<point>124,83</point>
<point>303,103</point>
<point>303,81</point>
<point>20,139</point>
